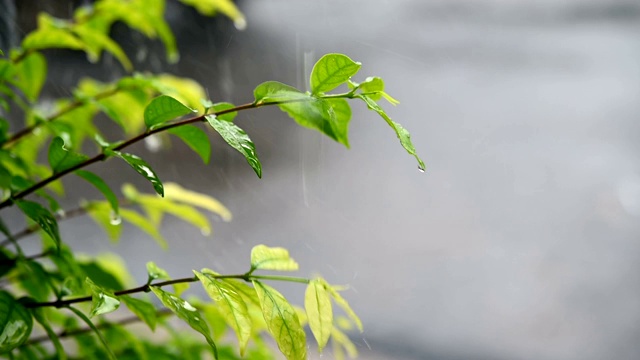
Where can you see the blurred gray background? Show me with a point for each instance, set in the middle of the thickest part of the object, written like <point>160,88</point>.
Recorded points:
<point>521,239</point>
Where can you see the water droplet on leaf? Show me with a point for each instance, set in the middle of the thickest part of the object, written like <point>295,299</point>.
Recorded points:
<point>420,168</point>
<point>115,218</point>
<point>240,23</point>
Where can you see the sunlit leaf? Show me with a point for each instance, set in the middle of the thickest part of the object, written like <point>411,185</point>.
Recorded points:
<point>273,91</point>
<point>176,192</point>
<point>317,303</point>
<point>211,7</point>
<point>195,138</point>
<point>51,38</point>
<point>97,181</point>
<point>282,322</point>
<point>231,306</point>
<point>237,139</point>
<point>155,272</point>
<point>145,225</point>
<point>401,132</point>
<point>329,116</point>
<point>60,158</point>
<point>42,217</point>
<point>31,74</point>
<point>95,42</point>
<point>342,340</point>
<point>102,301</point>
<point>15,323</point>
<point>142,168</point>
<point>331,71</point>
<point>162,109</point>
<point>187,313</point>
<point>187,91</point>
<point>142,309</point>
<point>340,301</point>
<point>272,258</point>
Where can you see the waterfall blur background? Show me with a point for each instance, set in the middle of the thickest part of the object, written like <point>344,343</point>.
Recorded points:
<point>521,239</point>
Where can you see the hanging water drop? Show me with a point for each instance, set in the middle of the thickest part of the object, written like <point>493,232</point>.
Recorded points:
<point>240,23</point>
<point>205,231</point>
<point>115,218</point>
<point>61,213</point>
<point>420,168</point>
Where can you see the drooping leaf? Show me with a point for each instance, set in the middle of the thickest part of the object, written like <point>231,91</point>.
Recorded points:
<point>102,301</point>
<point>237,139</point>
<point>274,91</point>
<point>44,322</point>
<point>162,109</point>
<point>97,181</point>
<point>341,341</point>
<point>211,7</point>
<point>329,116</point>
<point>223,106</point>
<point>31,74</point>
<point>187,313</point>
<point>51,38</point>
<point>231,306</point>
<point>317,304</point>
<point>340,301</point>
<point>176,192</point>
<point>195,138</point>
<point>374,88</point>
<point>15,323</point>
<point>401,132</point>
<point>60,158</point>
<point>282,322</point>
<point>142,168</point>
<point>102,213</point>
<point>272,258</point>
<point>142,309</point>
<point>145,225</point>
<point>42,217</point>
<point>95,42</point>
<point>331,71</point>
<point>155,272</point>
<point>87,321</point>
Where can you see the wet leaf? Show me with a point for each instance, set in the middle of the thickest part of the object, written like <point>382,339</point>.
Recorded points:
<point>317,303</point>
<point>60,158</point>
<point>274,91</point>
<point>401,132</point>
<point>331,71</point>
<point>222,106</point>
<point>231,306</point>
<point>162,109</point>
<point>272,258</point>
<point>97,181</point>
<point>142,168</point>
<point>187,313</point>
<point>102,301</point>
<point>42,217</point>
<point>155,272</point>
<point>15,323</point>
<point>329,116</point>
<point>102,213</point>
<point>237,139</point>
<point>142,309</point>
<point>282,322</point>
<point>195,138</point>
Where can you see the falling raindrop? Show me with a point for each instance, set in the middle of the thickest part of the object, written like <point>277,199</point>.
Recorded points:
<point>153,143</point>
<point>115,218</point>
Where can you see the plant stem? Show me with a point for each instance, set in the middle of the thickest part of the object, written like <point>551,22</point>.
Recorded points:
<point>147,287</point>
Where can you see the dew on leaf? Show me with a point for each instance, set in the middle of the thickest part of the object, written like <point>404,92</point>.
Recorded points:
<point>114,218</point>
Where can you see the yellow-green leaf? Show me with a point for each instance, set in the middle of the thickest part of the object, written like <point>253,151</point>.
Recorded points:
<point>272,258</point>
<point>282,322</point>
<point>174,191</point>
<point>31,74</point>
<point>317,304</point>
<point>145,225</point>
<point>155,272</point>
<point>102,301</point>
<point>331,71</point>
<point>162,109</point>
<point>231,305</point>
<point>342,303</point>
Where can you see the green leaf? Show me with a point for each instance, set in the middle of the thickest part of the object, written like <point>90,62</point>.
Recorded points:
<point>329,116</point>
<point>342,303</point>
<point>187,313</point>
<point>231,306</point>
<point>42,320</point>
<point>274,91</point>
<point>222,106</point>
<point>317,304</point>
<point>401,132</point>
<point>51,38</point>
<point>162,109</point>
<point>142,309</point>
<point>184,212</point>
<point>95,330</point>
<point>145,225</point>
<point>6,263</point>
<point>102,213</point>
<point>15,323</point>
<point>375,85</point>
<point>282,322</point>
<point>42,217</point>
<point>60,158</point>
<point>195,138</point>
<point>97,181</point>
<point>31,74</point>
<point>155,272</point>
<point>37,284</point>
<point>102,300</point>
<point>272,258</point>
<point>95,42</point>
<point>142,168</point>
<point>101,276</point>
<point>331,71</point>
<point>237,139</point>
<point>174,191</point>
